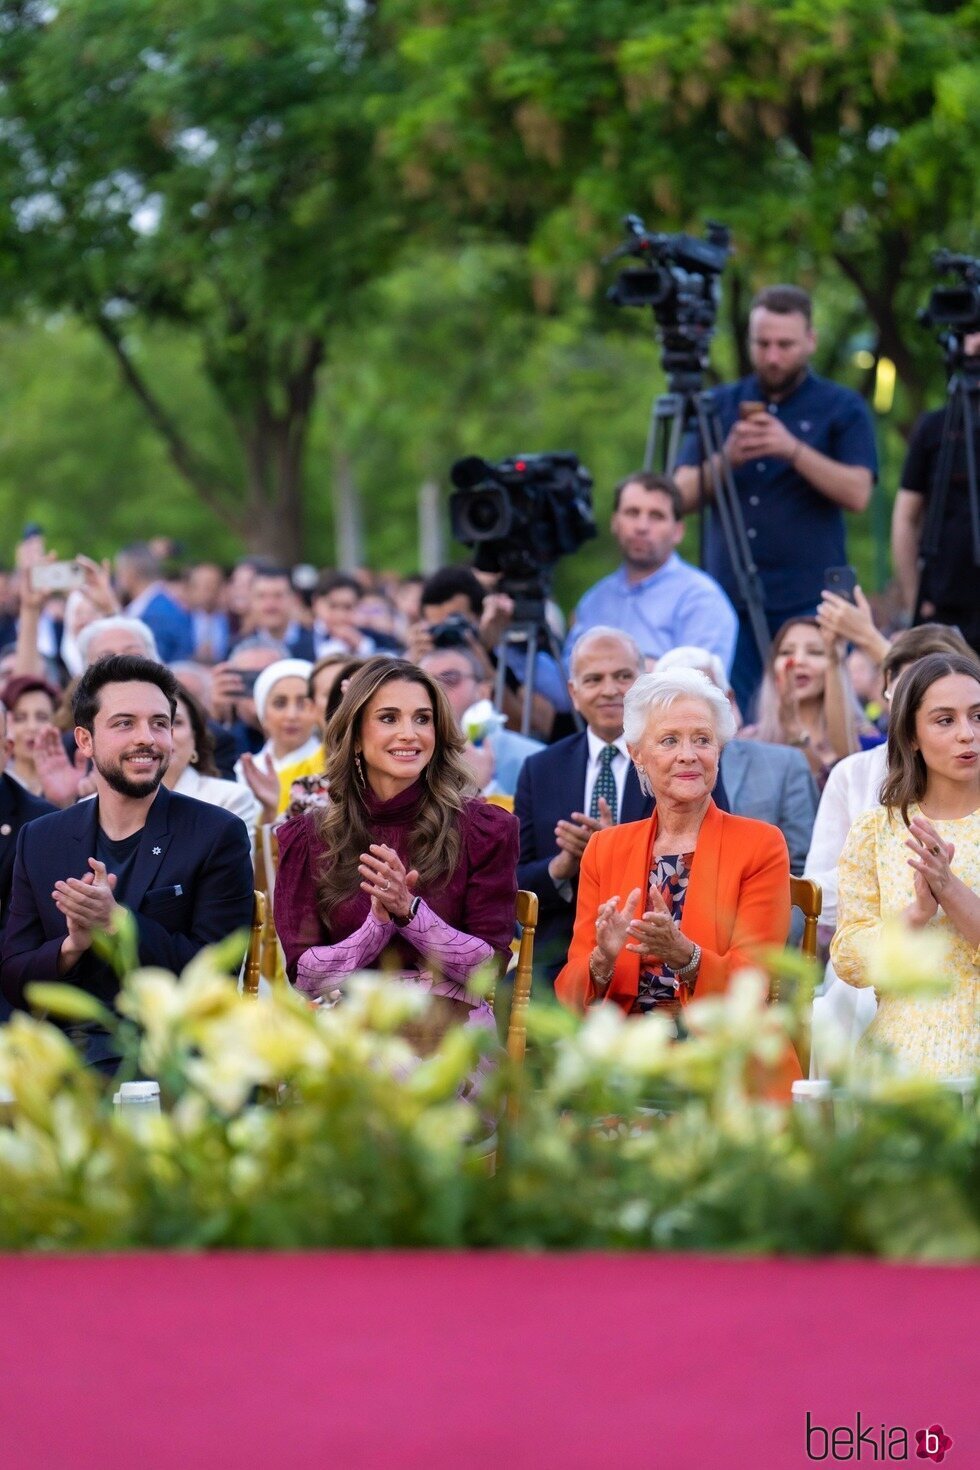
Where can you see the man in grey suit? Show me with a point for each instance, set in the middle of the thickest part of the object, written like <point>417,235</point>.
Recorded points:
<point>770,782</point>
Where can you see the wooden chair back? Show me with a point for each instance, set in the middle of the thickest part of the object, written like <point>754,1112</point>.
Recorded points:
<point>527,917</point>
<point>253,955</point>
<point>806,894</point>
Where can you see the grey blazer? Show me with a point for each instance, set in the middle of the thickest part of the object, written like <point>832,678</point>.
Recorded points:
<point>774,784</point>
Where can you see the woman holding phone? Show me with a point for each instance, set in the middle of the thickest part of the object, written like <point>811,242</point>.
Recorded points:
<point>806,697</point>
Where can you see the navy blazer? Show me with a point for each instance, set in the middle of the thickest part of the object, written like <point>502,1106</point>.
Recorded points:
<point>17,807</point>
<point>191,885</point>
<point>551,786</point>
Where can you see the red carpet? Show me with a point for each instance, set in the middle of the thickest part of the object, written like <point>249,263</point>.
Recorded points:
<point>431,1361</point>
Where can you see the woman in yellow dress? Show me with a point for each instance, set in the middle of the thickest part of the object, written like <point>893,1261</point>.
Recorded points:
<point>916,858</point>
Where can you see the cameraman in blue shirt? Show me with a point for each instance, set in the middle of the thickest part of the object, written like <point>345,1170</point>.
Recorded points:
<point>801,450</point>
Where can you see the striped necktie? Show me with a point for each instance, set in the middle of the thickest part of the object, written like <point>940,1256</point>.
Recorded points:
<point>605,783</point>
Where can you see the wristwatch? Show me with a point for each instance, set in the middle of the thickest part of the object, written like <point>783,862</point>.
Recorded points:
<point>691,965</point>
<point>413,909</point>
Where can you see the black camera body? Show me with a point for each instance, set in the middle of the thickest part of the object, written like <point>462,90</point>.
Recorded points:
<point>681,283</point>
<point>954,310</point>
<point>455,631</point>
<point>522,514</point>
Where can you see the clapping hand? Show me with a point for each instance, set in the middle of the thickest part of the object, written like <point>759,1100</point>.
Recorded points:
<point>571,838</point>
<point>263,781</point>
<point>931,856</point>
<point>62,781</point>
<point>656,936</point>
<point>612,925</point>
<point>87,903</point>
<point>390,888</point>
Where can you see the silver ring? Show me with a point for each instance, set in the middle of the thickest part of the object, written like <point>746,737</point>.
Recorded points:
<point>386,885</point>
<point>934,851</point>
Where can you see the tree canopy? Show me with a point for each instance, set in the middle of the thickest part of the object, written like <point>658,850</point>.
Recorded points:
<point>309,233</point>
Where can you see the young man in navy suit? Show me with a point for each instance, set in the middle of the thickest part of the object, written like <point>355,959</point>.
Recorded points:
<point>183,867</point>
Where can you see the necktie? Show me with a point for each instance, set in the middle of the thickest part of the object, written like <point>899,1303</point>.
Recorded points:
<point>605,783</point>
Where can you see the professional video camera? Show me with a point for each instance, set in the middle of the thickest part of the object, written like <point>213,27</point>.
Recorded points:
<point>521,516</point>
<point>955,310</point>
<point>680,282</point>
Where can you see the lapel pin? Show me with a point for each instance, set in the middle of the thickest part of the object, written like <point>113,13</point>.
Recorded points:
<point>5,830</point>
<point>156,852</point>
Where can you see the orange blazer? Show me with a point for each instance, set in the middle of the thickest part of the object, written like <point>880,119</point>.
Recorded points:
<point>737,901</point>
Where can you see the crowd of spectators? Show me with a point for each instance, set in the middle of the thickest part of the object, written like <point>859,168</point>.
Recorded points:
<point>159,717</point>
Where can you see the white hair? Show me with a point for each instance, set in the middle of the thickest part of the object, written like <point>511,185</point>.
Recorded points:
<point>133,626</point>
<point>599,634</point>
<point>659,691</point>
<point>690,656</point>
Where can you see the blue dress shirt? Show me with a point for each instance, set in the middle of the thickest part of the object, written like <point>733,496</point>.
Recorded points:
<point>793,530</point>
<point>676,604</point>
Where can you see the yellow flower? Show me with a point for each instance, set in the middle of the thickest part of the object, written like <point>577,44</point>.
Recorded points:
<point>904,961</point>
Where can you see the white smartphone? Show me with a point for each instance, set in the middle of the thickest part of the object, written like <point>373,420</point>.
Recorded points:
<point>57,576</point>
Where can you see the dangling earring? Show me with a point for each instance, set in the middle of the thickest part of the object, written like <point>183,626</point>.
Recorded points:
<point>358,768</point>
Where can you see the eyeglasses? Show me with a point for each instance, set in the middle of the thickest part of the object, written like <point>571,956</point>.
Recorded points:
<point>452,678</point>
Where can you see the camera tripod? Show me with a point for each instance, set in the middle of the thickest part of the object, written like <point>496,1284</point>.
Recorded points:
<point>687,406</point>
<point>529,632</point>
<point>962,413</point>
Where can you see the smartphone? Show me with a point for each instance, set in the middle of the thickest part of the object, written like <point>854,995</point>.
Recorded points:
<point>57,576</point>
<point>841,580</point>
<point>247,678</point>
<point>749,407</point>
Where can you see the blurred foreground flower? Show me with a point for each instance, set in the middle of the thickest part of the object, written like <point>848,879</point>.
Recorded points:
<point>903,961</point>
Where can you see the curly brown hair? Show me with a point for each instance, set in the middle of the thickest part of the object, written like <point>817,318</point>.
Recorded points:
<point>344,826</point>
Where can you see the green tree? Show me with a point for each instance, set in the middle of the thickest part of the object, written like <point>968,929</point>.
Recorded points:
<point>209,167</point>
<point>834,138</point>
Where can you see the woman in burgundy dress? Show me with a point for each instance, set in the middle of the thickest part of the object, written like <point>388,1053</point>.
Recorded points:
<point>405,869</point>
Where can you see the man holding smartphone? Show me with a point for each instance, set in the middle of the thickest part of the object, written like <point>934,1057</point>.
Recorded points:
<point>801,450</point>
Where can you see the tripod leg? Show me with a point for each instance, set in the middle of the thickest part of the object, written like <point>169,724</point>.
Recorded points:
<point>938,493</point>
<point>726,502</point>
<point>971,474</point>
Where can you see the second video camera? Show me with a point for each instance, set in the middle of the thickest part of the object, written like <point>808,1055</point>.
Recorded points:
<point>521,514</point>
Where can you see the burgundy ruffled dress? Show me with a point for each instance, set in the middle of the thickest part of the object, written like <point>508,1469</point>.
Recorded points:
<point>459,925</point>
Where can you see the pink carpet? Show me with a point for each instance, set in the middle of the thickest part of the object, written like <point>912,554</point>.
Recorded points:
<point>438,1360</point>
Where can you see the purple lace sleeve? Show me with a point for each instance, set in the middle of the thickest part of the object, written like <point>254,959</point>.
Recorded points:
<point>456,954</point>
<point>320,968</point>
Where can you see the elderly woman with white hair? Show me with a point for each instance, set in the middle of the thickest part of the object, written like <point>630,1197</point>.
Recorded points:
<point>671,906</point>
<point>292,747</point>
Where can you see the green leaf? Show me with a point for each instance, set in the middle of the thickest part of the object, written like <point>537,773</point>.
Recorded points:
<point>68,1002</point>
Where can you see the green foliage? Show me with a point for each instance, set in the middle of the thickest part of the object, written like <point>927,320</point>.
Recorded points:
<point>309,236</point>
<point>288,1127</point>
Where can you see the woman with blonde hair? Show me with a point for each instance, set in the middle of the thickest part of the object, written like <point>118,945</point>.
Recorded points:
<point>806,697</point>
<point>405,868</point>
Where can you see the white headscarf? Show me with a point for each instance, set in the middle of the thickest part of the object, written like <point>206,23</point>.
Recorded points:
<point>283,668</point>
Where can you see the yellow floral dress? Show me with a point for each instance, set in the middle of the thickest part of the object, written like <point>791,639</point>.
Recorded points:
<point>939,1036</point>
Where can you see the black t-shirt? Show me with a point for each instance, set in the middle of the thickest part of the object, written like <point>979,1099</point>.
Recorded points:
<point>119,858</point>
<point>950,579</point>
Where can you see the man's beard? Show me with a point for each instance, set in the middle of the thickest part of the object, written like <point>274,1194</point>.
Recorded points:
<point>115,776</point>
<point>784,383</point>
